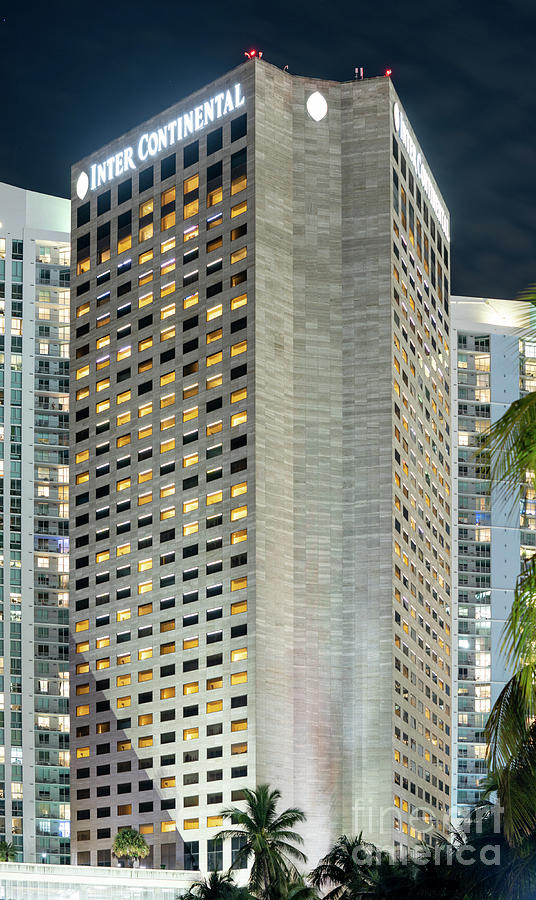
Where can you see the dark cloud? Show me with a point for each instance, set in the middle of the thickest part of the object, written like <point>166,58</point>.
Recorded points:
<point>76,75</point>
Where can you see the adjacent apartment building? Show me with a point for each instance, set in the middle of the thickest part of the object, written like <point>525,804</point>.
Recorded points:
<point>492,368</point>
<point>34,512</point>
<point>261,477</point>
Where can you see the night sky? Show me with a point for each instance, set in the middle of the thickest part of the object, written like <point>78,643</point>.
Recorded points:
<point>75,76</point>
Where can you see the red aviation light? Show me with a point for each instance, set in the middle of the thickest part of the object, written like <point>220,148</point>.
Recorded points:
<point>251,54</point>
<point>388,72</point>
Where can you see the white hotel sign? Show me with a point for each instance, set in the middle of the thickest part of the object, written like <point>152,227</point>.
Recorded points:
<point>152,143</point>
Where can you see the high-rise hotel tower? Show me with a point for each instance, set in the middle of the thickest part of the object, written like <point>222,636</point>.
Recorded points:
<point>261,470</point>
<point>34,511</point>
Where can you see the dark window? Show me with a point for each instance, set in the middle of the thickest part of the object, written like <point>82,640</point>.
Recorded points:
<point>83,214</point>
<point>239,127</point>
<point>168,167</point>
<point>191,154</point>
<point>214,143</point>
<point>104,202</point>
<point>124,191</point>
<point>146,179</point>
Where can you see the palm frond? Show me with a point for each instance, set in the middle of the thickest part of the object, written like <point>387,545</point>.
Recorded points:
<point>519,634</point>
<point>509,448</point>
<point>507,725</point>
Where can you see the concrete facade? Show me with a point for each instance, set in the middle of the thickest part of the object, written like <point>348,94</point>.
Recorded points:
<point>34,348</point>
<point>342,297</point>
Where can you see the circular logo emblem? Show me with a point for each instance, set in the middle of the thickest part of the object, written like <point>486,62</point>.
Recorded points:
<point>82,185</point>
<point>317,106</point>
<point>396,116</point>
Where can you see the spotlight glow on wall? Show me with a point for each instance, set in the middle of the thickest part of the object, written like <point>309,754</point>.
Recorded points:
<point>317,106</point>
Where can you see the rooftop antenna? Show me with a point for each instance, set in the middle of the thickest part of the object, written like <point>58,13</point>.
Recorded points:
<point>358,73</point>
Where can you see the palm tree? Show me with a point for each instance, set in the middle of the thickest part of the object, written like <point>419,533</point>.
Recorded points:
<point>7,852</point>
<point>354,870</point>
<point>218,886</point>
<point>268,840</point>
<point>131,845</point>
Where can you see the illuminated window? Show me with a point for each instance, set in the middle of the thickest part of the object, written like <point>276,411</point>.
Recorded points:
<point>145,742</point>
<point>167,826</point>
<point>82,393</point>
<point>167,379</point>
<point>214,821</point>
<point>238,184</point>
<point>82,477</point>
<point>167,648</point>
<point>82,668</point>
<point>82,310</point>
<point>82,752</point>
<point>215,381</point>
<point>123,484</point>
<point>238,607</point>
<point>82,647</point>
<point>145,278</point>
<point>214,428</point>
<point>123,440</point>
<point>124,244</point>
<point>145,587</point>
<point>214,312</point>
<point>214,706</point>
<point>82,372</point>
<point>102,642</point>
<point>190,643</point>
<point>214,683</point>
<point>167,311</point>
<point>148,828</point>
<point>123,396</point>
<point>123,680</point>
<point>123,659</point>
<point>144,609</point>
<point>145,410</point>
<point>121,746</point>
<point>145,344</point>
<point>168,244</point>
<point>145,653</point>
<point>190,734</point>
<point>145,675</point>
<point>240,394</point>
<point>191,300</point>
<point>238,209</point>
<point>125,809</point>
<point>102,556</point>
<point>145,476</point>
<point>214,358</point>
<point>239,725</point>
<point>241,347</point>
<point>191,233</point>
<point>190,460</point>
<point>190,505</point>
<point>146,232</point>
<point>124,418</point>
<point>167,693</point>
<point>167,445</point>
<point>238,489</point>
<point>102,406</point>
<point>102,342</point>
<point>189,414</point>
<point>241,653</point>
<point>240,512</point>
<point>144,565</point>
<point>103,663</point>
<point>237,302</point>
<point>237,584</point>
<point>168,781</point>
<point>190,528</point>
<point>214,336</point>
<point>145,300</point>
<point>190,688</point>
<point>238,536</point>
<point>239,748</point>
<point>167,334</point>
<point>144,432</point>
<point>167,491</point>
<point>239,419</point>
<point>214,497</point>
<point>123,702</point>
<point>146,718</point>
<point>122,614</point>
<point>167,400</point>
<point>82,710</point>
<point>167,513</point>
<point>238,255</point>
<point>239,678</point>
<point>145,257</point>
